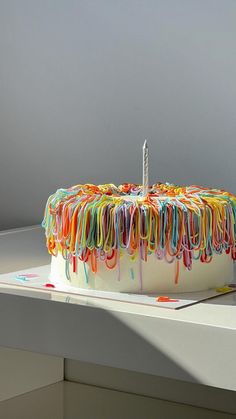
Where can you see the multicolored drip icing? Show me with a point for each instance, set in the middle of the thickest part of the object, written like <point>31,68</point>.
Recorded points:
<point>173,222</point>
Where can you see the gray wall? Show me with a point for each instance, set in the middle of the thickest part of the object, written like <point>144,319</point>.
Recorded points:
<point>82,83</point>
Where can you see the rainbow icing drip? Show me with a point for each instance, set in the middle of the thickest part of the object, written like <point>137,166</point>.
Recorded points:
<point>173,222</point>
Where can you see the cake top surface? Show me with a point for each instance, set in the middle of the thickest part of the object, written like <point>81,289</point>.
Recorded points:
<point>157,189</point>
<point>183,222</point>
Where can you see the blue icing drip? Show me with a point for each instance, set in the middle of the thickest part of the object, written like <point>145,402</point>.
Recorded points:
<point>86,274</point>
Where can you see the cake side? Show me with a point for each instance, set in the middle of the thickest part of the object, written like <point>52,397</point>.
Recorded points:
<point>157,276</point>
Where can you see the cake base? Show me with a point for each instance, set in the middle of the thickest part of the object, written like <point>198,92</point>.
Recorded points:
<point>157,276</point>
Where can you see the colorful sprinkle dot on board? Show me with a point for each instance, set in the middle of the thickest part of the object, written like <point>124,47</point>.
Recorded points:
<point>165,299</point>
<point>48,285</point>
<point>30,275</point>
<point>21,278</point>
<point>224,289</point>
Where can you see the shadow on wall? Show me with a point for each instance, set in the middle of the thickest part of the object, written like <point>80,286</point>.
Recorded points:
<point>27,247</point>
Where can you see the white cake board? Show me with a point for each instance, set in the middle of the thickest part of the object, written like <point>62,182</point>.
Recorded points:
<point>37,278</point>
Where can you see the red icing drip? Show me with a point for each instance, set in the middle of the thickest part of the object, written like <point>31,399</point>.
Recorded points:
<point>74,263</point>
<point>48,285</point>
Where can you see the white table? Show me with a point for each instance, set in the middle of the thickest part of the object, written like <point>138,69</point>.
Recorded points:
<point>193,345</point>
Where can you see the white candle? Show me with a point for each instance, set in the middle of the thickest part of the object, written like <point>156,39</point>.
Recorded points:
<point>145,168</point>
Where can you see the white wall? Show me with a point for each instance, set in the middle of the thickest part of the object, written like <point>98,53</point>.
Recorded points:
<point>83,82</point>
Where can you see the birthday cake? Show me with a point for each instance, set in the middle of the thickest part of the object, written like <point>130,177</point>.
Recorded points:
<point>174,239</point>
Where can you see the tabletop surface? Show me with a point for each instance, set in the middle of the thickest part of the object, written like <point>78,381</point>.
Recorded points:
<point>25,248</point>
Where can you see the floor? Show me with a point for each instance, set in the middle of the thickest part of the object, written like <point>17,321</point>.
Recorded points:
<point>67,400</point>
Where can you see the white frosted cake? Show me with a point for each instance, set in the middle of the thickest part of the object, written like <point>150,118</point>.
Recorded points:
<point>176,239</point>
